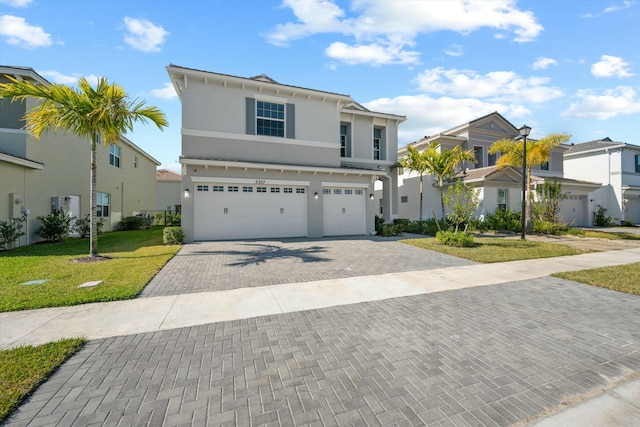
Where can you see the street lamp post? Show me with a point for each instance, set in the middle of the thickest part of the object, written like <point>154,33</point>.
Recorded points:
<point>524,131</point>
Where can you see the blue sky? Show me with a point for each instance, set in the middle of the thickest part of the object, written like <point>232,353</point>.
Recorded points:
<point>558,66</point>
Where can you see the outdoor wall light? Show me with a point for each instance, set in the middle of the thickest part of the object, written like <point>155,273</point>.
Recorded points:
<point>315,195</point>
<point>371,196</point>
<point>186,193</point>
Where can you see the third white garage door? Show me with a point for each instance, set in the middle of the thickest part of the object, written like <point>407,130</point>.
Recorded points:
<point>242,211</point>
<point>344,211</point>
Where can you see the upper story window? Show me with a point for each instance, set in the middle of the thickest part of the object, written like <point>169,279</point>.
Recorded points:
<point>135,162</point>
<point>114,155</point>
<point>637,163</point>
<point>544,166</point>
<point>493,158</point>
<point>344,139</point>
<point>270,118</point>
<point>478,153</point>
<point>377,143</point>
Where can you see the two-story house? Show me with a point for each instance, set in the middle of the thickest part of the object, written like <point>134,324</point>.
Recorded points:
<point>496,188</point>
<point>37,176</point>
<point>262,159</point>
<point>617,166</point>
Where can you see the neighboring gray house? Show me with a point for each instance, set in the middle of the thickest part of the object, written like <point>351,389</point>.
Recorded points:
<point>497,188</point>
<point>168,191</point>
<point>262,159</point>
<point>617,166</point>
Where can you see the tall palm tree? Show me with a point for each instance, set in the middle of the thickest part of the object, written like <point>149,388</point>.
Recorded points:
<point>414,162</point>
<point>443,163</point>
<point>538,153</point>
<point>86,112</point>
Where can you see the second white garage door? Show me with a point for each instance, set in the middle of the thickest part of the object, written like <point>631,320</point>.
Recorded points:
<point>241,211</point>
<point>344,211</point>
<point>573,211</point>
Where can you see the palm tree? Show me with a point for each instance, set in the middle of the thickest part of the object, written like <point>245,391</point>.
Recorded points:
<point>538,153</point>
<point>414,162</point>
<point>443,163</point>
<point>86,112</point>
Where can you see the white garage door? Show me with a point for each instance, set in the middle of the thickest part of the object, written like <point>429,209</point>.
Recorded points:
<point>573,211</point>
<point>241,211</point>
<point>343,211</point>
<point>632,209</point>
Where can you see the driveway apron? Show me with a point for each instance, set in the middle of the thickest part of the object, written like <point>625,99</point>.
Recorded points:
<point>217,266</point>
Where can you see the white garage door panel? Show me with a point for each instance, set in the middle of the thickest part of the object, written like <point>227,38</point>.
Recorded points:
<point>573,210</point>
<point>343,213</point>
<point>249,215</point>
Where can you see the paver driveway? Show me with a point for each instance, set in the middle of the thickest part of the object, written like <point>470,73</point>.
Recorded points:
<point>215,266</point>
<point>491,356</point>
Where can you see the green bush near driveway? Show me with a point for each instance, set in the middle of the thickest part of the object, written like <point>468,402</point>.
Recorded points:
<point>22,369</point>
<point>136,256</point>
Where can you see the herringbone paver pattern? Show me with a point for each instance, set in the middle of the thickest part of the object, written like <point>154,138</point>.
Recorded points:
<point>480,356</point>
<point>216,266</point>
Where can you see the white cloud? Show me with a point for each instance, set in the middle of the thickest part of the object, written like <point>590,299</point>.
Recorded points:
<point>17,3</point>
<point>611,66</point>
<point>167,92</point>
<point>543,63</point>
<point>19,33</point>
<point>143,35</point>
<point>498,86</point>
<point>427,115</point>
<point>622,100</point>
<point>610,9</point>
<point>66,79</point>
<point>454,50</point>
<point>390,26</point>
<point>372,54</point>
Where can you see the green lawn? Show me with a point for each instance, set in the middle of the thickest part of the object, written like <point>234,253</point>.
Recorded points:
<point>22,369</point>
<point>137,257</point>
<point>496,249</point>
<point>622,278</point>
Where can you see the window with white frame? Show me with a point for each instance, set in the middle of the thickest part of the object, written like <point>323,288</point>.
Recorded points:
<point>637,163</point>
<point>232,188</point>
<point>247,189</point>
<point>287,190</point>
<point>544,166</point>
<point>102,204</point>
<point>503,198</point>
<point>326,191</point>
<point>270,118</point>
<point>404,199</point>
<point>114,155</point>
<point>478,153</point>
<point>359,192</point>
<point>261,189</point>
<point>217,188</point>
<point>202,188</point>
<point>344,136</point>
<point>135,162</point>
<point>300,190</point>
<point>377,142</point>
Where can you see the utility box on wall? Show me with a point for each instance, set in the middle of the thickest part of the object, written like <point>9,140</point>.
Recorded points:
<point>16,204</point>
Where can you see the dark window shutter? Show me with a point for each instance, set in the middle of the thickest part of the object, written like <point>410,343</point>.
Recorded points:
<point>291,121</point>
<point>251,116</point>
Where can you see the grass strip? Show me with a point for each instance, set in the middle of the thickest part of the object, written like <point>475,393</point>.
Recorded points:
<point>495,249</point>
<point>22,369</point>
<point>621,278</point>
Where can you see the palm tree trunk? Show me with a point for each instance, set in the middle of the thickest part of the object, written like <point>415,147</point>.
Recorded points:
<point>93,231</point>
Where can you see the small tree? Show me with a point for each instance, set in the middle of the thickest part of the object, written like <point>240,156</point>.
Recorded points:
<point>9,234</point>
<point>463,201</point>
<point>55,227</point>
<point>549,199</point>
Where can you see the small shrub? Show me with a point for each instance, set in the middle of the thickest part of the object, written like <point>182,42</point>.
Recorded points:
<point>504,220</point>
<point>132,223</point>
<point>9,234</point>
<point>379,224</point>
<point>627,223</point>
<point>600,217</point>
<point>55,227</point>
<point>389,230</point>
<point>451,238</point>
<point>548,227</point>
<point>83,226</point>
<point>172,236</point>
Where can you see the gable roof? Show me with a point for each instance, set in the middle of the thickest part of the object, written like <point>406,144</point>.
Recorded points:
<point>598,145</point>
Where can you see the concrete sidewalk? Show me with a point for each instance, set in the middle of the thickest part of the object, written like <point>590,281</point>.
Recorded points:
<point>109,319</point>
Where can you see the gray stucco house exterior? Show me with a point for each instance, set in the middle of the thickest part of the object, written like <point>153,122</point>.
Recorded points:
<point>261,159</point>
